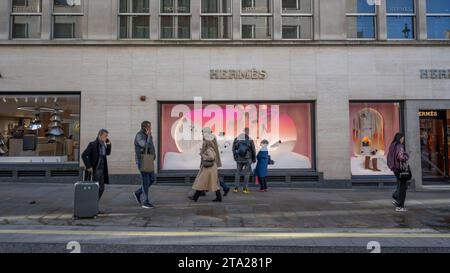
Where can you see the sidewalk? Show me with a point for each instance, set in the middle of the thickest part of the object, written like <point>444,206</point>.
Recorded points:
<point>296,219</point>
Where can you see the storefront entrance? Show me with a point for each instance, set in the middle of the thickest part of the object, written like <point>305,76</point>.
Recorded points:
<point>434,140</point>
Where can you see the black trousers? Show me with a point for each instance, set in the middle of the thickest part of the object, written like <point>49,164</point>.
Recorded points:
<point>99,177</point>
<point>262,183</point>
<point>400,193</point>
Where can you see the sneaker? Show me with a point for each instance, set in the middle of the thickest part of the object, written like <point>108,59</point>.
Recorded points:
<point>401,209</point>
<point>236,190</point>
<point>246,191</point>
<point>137,197</point>
<point>261,191</point>
<point>101,212</point>
<point>225,192</point>
<point>148,206</point>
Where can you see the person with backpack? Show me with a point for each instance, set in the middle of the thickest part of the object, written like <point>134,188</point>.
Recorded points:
<point>264,161</point>
<point>397,161</point>
<point>244,154</point>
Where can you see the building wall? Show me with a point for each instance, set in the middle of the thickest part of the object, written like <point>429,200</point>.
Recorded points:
<point>112,79</point>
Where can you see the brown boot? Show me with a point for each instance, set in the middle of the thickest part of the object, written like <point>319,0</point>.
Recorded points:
<point>367,163</point>
<point>375,165</point>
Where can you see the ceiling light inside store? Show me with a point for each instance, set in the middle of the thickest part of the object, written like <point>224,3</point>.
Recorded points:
<point>16,100</point>
<point>45,99</point>
<point>4,100</point>
<point>55,100</point>
<point>36,100</point>
<point>26,99</point>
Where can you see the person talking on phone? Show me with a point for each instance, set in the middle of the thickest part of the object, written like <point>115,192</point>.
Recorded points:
<point>95,159</point>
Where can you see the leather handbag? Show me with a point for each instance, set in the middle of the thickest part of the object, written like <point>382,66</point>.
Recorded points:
<point>405,174</point>
<point>147,161</point>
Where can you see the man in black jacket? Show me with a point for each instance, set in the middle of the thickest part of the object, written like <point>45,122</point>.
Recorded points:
<point>94,158</point>
<point>244,154</point>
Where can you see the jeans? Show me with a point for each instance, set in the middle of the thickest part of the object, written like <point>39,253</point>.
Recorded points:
<point>223,184</point>
<point>147,181</point>
<point>245,169</point>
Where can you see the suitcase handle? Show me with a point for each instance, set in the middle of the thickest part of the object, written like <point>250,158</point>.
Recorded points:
<point>86,173</point>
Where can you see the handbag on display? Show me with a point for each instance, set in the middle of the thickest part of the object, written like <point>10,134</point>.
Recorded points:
<point>147,161</point>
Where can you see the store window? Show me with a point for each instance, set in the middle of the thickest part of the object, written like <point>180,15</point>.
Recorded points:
<point>361,19</point>
<point>256,19</point>
<point>26,19</point>
<point>67,19</point>
<point>401,18</point>
<point>296,19</point>
<point>373,126</point>
<point>175,19</point>
<point>134,19</point>
<point>39,128</point>
<point>216,19</point>
<point>438,19</point>
<point>287,127</point>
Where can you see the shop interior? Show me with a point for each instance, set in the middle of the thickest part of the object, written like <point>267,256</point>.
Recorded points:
<point>434,143</point>
<point>39,128</point>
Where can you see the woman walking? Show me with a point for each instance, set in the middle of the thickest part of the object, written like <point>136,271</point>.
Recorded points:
<point>397,161</point>
<point>207,177</point>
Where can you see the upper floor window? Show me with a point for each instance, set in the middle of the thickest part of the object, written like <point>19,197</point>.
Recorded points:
<point>256,19</point>
<point>67,19</point>
<point>361,19</point>
<point>401,18</point>
<point>216,19</point>
<point>134,19</point>
<point>296,19</point>
<point>175,19</point>
<point>438,19</point>
<point>26,19</point>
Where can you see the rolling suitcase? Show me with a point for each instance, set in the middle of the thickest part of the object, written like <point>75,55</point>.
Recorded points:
<point>86,198</point>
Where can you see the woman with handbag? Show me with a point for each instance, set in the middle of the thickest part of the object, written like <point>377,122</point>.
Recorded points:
<point>397,161</point>
<point>207,177</point>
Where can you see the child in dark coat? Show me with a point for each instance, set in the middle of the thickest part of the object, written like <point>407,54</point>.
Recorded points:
<point>264,160</point>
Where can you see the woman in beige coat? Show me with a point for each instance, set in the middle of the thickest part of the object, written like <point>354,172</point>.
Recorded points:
<point>207,177</point>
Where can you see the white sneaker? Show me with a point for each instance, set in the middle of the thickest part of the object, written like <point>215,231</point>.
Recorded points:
<point>401,209</point>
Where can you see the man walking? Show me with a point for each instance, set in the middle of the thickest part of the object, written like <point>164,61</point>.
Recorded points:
<point>244,153</point>
<point>143,141</point>
<point>95,160</point>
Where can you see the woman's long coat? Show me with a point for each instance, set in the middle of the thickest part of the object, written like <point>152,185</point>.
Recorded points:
<point>207,178</point>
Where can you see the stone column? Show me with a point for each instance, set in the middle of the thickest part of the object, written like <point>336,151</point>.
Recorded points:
<point>195,20</point>
<point>236,20</point>
<point>46,20</point>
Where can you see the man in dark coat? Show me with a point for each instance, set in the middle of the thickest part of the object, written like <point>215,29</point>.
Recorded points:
<point>94,158</point>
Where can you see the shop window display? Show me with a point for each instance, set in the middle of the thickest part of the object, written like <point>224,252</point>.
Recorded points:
<point>372,128</point>
<point>287,127</point>
<point>39,128</point>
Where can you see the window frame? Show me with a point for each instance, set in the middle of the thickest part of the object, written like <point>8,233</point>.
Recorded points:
<point>298,15</point>
<point>72,14</point>
<point>412,15</point>
<point>129,16</point>
<point>219,14</point>
<point>175,16</point>
<point>365,14</point>
<point>266,15</point>
<point>13,14</point>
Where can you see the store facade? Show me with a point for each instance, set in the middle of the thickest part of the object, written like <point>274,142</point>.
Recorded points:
<point>329,107</point>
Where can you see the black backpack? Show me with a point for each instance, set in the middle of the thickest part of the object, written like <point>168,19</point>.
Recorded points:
<point>243,149</point>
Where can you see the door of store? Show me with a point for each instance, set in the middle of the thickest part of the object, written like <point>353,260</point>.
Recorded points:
<point>434,142</point>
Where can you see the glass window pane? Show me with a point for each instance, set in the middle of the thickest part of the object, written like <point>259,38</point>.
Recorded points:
<point>256,27</point>
<point>26,6</point>
<point>184,27</point>
<point>134,6</point>
<point>134,27</point>
<point>400,27</point>
<point>26,27</point>
<point>123,27</point>
<point>296,27</point>
<point>216,27</point>
<point>175,6</point>
<point>216,6</point>
<point>256,6</point>
<point>360,6</point>
<point>438,27</point>
<point>361,27</point>
<point>400,6</point>
<point>167,27</point>
<point>438,6</point>
<point>75,6</point>
<point>67,27</point>
<point>296,6</point>
<point>372,127</point>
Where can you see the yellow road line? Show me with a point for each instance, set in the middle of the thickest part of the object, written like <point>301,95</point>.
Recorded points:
<point>292,235</point>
